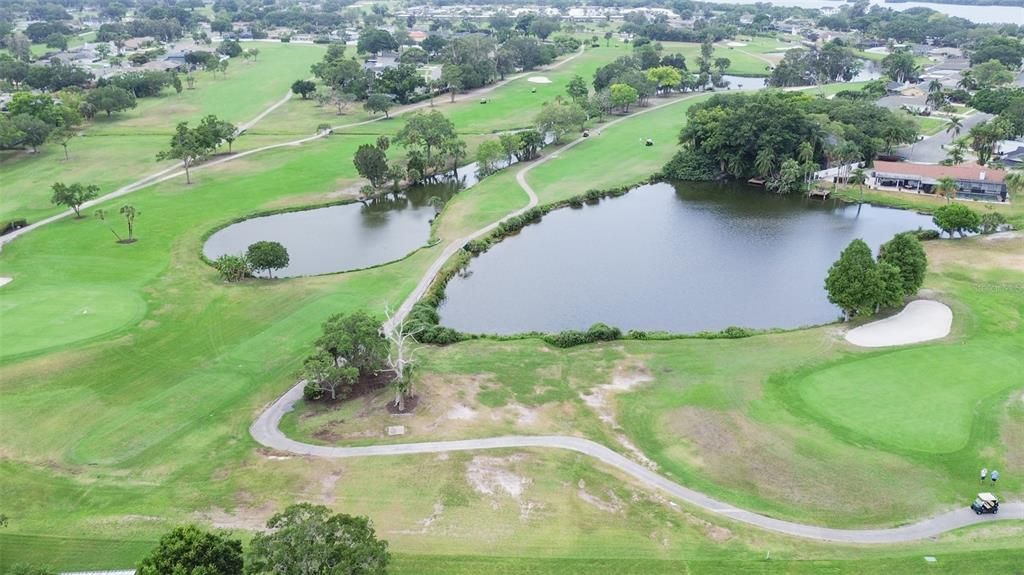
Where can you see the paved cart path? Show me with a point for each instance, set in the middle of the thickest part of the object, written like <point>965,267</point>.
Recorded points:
<point>267,432</point>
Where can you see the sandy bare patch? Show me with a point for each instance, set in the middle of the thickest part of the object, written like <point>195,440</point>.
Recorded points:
<point>248,518</point>
<point>461,413</point>
<point>601,400</point>
<point>733,44</point>
<point>921,320</point>
<point>5,280</point>
<point>612,505</point>
<point>492,476</point>
<point>539,80</point>
<point>999,237</point>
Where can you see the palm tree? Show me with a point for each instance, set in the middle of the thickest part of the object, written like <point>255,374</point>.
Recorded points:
<point>765,162</point>
<point>934,86</point>
<point>957,152</point>
<point>954,127</point>
<point>858,178</point>
<point>848,153</point>
<point>967,81</point>
<point>946,186</point>
<point>1015,182</point>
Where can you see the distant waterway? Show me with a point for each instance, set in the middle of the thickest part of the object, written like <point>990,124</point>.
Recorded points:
<point>979,14</point>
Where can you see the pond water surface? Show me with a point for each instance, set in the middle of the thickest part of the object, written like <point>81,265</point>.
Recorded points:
<point>339,238</point>
<point>681,258</point>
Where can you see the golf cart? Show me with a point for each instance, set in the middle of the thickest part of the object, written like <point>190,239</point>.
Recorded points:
<point>985,503</point>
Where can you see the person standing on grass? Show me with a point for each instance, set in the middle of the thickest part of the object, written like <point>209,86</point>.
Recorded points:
<point>995,475</point>
<point>984,472</point>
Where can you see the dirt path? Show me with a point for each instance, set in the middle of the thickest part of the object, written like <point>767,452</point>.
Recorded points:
<point>177,171</point>
<point>266,431</point>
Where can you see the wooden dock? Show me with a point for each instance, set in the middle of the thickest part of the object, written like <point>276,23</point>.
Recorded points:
<point>820,193</point>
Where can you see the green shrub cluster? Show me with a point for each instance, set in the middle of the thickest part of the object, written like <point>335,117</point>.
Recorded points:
<point>11,225</point>
<point>925,235</point>
<point>691,165</point>
<point>572,338</point>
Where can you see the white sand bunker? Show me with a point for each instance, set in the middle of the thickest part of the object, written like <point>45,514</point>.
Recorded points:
<point>4,281</point>
<point>539,80</point>
<point>921,320</point>
<point>736,44</point>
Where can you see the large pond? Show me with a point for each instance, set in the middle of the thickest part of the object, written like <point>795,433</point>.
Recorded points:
<point>681,258</point>
<point>339,238</point>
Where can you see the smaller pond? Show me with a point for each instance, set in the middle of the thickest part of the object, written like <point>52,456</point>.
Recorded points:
<point>683,258</point>
<point>339,238</point>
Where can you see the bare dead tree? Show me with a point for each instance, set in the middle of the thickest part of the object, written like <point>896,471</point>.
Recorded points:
<point>400,359</point>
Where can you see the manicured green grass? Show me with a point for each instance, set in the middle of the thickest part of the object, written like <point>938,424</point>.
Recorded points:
<point>929,126</point>
<point>892,401</point>
<point>743,62</point>
<point>115,151</point>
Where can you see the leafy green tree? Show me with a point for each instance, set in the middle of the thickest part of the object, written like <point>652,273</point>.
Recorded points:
<point>956,218</point>
<point>303,88</point>
<point>577,89</point>
<point>111,99</point>
<point>267,256</point>
<point>193,551</point>
<point>664,77</point>
<point>1015,182</point>
<point>32,130</point>
<point>324,375</point>
<point>1008,51</point>
<point>307,539</point>
<point>489,155</point>
<point>991,222</point>
<point>73,196</point>
<point>510,144</point>
<point>452,78</point>
<point>992,74</point>
<point>853,282</point>
<point>623,95</point>
<point>900,66</point>
<point>905,252</point>
<point>890,286</point>
<point>559,118</point>
<point>375,40</point>
<point>372,164</point>
<point>40,106</point>
<point>355,337</point>
<point>530,144</point>
<point>378,103</point>
<point>956,153</point>
<point>190,145</point>
<point>428,131</point>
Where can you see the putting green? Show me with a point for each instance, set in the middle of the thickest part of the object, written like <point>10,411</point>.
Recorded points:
<point>922,399</point>
<point>55,316</point>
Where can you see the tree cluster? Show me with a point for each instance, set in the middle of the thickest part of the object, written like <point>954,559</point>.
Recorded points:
<point>755,135</point>
<point>302,539</point>
<point>860,285</point>
<point>350,346</point>
<point>193,145</point>
<point>833,62</point>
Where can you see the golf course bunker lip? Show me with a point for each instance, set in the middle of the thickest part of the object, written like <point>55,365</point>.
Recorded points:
<point>5,280</point>
<point>539,80</point>
<point>921,320</point>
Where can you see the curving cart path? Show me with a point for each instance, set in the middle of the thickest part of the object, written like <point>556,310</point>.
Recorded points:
<point>267,432</point>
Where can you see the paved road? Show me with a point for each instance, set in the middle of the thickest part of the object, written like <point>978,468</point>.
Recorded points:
<point>267,432</point>
<point>930,150</point>
<point>177,171</point>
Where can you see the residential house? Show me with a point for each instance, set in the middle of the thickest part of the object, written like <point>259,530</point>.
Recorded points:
<point>973,181</point>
